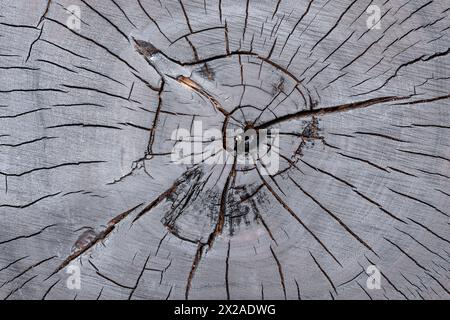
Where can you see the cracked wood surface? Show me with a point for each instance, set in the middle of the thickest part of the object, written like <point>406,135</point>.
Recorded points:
<point>86,118</point>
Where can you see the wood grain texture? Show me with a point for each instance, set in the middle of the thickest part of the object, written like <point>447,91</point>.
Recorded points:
<point>86,118</point>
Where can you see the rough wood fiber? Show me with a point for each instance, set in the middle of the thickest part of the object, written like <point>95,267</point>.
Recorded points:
<point>86,119</point>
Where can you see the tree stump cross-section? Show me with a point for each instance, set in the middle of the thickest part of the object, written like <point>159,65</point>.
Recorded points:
<point>93,99</point>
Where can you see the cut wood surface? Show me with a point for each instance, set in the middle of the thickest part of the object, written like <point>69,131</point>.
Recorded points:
<point>87,117</point>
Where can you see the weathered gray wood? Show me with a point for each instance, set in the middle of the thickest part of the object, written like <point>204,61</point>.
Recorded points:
<point>86,118</point>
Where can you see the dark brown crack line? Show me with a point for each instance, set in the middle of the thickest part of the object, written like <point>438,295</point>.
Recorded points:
<point>294,215</point>
<point>329,110</point>
<point>100,237</point>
